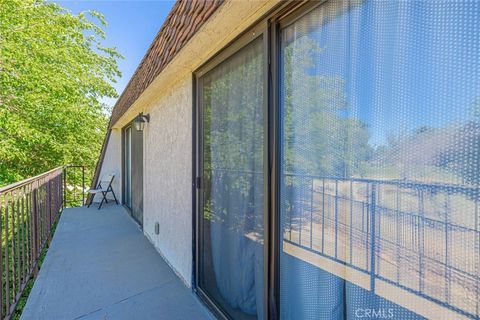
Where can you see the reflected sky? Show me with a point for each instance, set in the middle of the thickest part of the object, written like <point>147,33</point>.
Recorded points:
<point>406,64</point>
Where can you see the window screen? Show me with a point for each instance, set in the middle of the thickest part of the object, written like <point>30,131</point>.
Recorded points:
<point>232,214</point>
<point>380,161</point>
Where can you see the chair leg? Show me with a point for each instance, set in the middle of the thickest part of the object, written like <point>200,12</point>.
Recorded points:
<point>103,199</point>
<point>113,193</point>
<point>101,202</point>
<point>91,201</point>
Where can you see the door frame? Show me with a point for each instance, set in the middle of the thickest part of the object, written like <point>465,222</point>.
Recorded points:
<point>259,30</point>
<point>123,151</point>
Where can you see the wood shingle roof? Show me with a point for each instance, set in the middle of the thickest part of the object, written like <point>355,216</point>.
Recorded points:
<point>183,21</point>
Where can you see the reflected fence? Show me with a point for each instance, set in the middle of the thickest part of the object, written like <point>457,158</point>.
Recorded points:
<point>422,238</point>
<point>29,210</point>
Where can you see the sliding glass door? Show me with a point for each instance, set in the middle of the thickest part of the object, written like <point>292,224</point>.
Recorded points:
<point>231,225</point>
<point>380,155</point>
<point>338,164</point>
<point>133,172</point>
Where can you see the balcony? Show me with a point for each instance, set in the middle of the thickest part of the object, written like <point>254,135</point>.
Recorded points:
<point>389,238</point>
<point>106,267</point>
<point>99,265</point>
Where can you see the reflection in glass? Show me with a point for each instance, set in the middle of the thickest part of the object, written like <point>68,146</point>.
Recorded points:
<point>231,258</point>
<point>380,160</point>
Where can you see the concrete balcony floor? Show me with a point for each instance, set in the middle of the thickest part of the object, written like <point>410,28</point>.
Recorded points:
<point>101,266</point>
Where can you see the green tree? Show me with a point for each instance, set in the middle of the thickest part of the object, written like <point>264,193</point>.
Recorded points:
<point>54,73</point>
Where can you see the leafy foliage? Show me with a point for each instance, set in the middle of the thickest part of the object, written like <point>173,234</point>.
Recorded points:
<point>54,72</point>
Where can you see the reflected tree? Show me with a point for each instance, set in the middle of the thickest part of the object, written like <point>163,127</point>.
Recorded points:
<point>320,136</point>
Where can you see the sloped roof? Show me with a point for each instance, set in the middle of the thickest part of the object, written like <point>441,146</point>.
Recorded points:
<point>183,21</point>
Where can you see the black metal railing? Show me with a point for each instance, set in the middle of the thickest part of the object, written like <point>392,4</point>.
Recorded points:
<point>29,210</point>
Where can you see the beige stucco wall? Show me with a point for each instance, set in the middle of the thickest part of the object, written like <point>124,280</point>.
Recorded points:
<point>168,135</point>
<point>168,177</point>
<point>112,165</point>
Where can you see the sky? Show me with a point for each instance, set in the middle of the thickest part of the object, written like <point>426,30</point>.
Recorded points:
<point>132,26</point>
<point>394,81</point>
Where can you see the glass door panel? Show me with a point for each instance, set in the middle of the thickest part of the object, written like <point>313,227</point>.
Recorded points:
<point>136,175</point>
<point>232,214</point>
<point>380,158</point>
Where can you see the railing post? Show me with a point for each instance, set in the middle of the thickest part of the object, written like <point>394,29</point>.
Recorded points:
<point>74,178</point>
<point>22,234</point>
<point>301,207</point>
<point>290,215</point>
<point>311,214</point>
<point>7,258</point>
<point>372,235</point>
<point>336,218</point>
<point>421,241</point>
<point>447,255</point>
<point>61,192</point>
<point>83,185</point>
<point>35,228</point>
<point>351,223</point>
<point>323,215</point>
<point>399,225</point>
<point>14,247</point>
<point>64,173</point>
<point>477,249</point>
<point>49,200</point>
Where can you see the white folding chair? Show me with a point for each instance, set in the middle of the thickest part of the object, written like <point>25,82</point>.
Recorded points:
<point>103,187</point>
